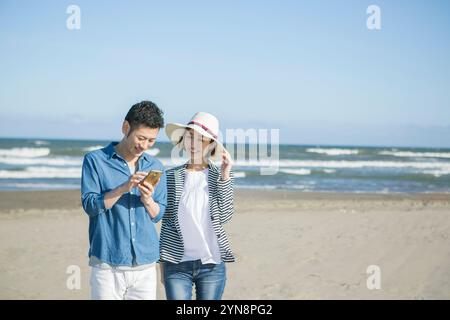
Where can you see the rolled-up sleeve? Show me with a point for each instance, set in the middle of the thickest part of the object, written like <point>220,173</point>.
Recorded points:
<point>92,198</point>
<point>226,198</point>
<point>160,197</point>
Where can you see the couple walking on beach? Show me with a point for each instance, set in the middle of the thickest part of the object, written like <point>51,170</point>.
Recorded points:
<point>193,201</point>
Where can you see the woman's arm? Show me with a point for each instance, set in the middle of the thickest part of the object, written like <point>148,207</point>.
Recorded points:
<point>225,191</point>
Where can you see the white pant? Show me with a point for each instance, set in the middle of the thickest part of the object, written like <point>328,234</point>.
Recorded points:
<point>113,284</point>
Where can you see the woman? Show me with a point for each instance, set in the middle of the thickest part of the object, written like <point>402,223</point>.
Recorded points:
<point>194,246</point>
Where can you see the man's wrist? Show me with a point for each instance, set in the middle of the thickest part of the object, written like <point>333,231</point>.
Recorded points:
<point>149,201</point>
<point>123,188</point>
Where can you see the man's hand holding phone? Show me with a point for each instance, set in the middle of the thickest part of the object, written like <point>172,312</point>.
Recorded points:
<point>133,182</point>
<point>146,190</point>
<point>148,184</point>
<point>111,197</point>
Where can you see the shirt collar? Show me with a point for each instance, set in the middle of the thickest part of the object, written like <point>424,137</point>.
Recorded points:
<point>111,152</point>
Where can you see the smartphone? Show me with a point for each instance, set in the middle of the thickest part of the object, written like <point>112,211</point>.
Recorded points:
<point>152,177</point>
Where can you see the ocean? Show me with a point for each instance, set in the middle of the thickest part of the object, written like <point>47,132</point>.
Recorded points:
<point>36,164</point>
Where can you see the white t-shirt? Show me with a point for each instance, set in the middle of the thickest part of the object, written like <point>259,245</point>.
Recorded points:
<point>200,241</point>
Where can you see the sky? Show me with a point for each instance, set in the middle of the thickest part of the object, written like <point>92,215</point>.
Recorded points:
<point>309,68</point>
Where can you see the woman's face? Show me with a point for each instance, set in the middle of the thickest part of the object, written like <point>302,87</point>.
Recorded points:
<point>197,145</point>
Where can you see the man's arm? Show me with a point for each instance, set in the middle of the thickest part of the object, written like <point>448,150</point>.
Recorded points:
<point>111,197</point>
<point>94,201</point>
<point>92,198</point>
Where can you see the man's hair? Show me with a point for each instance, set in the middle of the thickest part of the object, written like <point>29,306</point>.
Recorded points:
<point>145,113</point>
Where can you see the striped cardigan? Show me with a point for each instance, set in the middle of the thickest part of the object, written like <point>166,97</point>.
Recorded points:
<point>220,207</point>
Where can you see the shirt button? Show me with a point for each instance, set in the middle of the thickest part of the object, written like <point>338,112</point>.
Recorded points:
<point>134,239</point>
<point>132,223</point>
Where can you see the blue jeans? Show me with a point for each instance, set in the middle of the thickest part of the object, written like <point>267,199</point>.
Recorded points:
<point>209,280</point>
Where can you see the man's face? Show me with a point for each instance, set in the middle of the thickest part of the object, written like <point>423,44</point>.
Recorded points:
<point>140,139</point>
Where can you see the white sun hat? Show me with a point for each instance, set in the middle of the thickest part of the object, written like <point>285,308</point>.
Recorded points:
<point>204,123</point>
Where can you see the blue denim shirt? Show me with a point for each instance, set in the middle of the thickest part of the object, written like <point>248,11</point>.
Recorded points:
<point>124,235</point>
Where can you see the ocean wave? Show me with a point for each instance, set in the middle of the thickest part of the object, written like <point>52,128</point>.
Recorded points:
<point>57,161</point>
<point>25,152</point>
<point>92,148</point>
<point>257,187</point>
<point>436,173</point>
<point>39,186</point>
<point>41,143</point>
<point>333,151</point>
<point>41,172</point>
<point>300,187</point>
<point>301,172</point>
<point>410,154</point>
<point>153,151</point>
<point>330,164</point>
<point>343,164</point>
<point>239,174</point>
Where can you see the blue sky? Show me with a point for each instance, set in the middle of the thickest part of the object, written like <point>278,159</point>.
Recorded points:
<point>310,68</point>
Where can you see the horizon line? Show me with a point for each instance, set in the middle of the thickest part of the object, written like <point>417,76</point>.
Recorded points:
<point>281,144</point>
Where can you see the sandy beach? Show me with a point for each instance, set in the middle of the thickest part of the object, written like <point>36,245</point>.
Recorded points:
<point>289,245</point>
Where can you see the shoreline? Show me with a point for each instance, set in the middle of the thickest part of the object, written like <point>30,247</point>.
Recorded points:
<point>11,201</point>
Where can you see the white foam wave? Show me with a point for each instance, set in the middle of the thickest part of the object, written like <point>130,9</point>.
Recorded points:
<point>342,164</point>
<point>332,151</point>
<point>153,152</point>
<point>25,152</point>
<point>41,143</point>
<point>92,148</point>
<point>300,172</point>
<point>265,187</point>
<point>300,187</point>
<point>57,161</point>
<point>239,174</point>
<point>437,173</point>
<point>40,186</point>
<point>410,154</point>
<point>41,172</point>
<point>326,166</point>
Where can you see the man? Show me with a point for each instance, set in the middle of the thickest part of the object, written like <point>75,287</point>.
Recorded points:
<point>124,244</point>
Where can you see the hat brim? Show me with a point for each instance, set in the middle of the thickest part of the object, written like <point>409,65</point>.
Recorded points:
<point>176,130</point>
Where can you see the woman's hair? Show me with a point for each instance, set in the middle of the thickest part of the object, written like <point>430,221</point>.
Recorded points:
<point>213,152</point>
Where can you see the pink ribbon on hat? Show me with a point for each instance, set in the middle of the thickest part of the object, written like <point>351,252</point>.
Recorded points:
<point>204,128</point>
